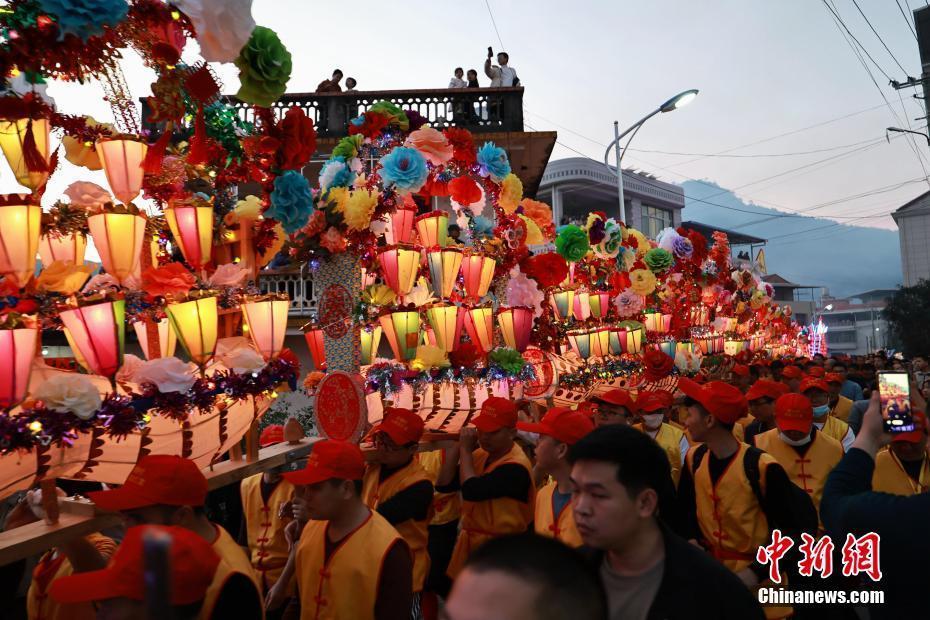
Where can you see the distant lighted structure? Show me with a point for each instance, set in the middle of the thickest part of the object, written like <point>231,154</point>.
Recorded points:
<point>817,338</point>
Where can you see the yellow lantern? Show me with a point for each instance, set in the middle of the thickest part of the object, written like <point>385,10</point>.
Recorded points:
<point>599,302</point>
<point>600,342</point>
<point>12,141</point>
<point>195,322</point>
<point>479,323</point>
<point>266,319</point>
<point>563,303</point>
<point>656,322</point>
<point>433,229</point>
<point>119,238</point>
<point>399,265</point>
<point>402,329</point>
<point>20,225</point>
<point>732,347</point>
<point>97,330</point>
<point>477,273</point>
<point>444,266</point>
<point>191,224</point>
<point>447,321</point>
<point>516,326</point>
<point>370,338</point>
<point>634,341</point>
<point>122,160</point>
<point>582,305</point>
<point>68,248</point>
<point>167,339</point>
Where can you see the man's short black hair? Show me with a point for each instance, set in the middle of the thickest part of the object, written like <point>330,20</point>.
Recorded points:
<point>839,364</point>
<point>339,71</point>
<point>505,55</point>
<point>568,586</point>
<point>641,463</point>
<point>777,365</point>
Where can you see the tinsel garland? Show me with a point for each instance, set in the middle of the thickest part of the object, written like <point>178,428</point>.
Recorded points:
<point>601,372</point>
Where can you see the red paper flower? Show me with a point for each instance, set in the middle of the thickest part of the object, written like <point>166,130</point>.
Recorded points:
<point>547,269</point>
<point>374,123</point>
<point>172,279</point>
<point>463,147</point>
<point>464,191</point>
<point>466,356</point>
<point>656,365</point>
<point>298,139</point>
<point>618,281</point>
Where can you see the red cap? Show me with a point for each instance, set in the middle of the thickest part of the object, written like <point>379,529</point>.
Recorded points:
<point>562,424</point>
<point>793,412</point>
<point>764,388</point>
<point>816,371</point>
<point>403,426</point>
<point>192,559</point>
<point>618,397</point>
<point>271,435</point>
<point>496,413</point>
<point>651,400</point>
<point>722,400</point>
<point>156,479</point>
<point>919,434</point>
<point>834,377</point>
<point>587,408</point>
<point>330,459</point>
<point>813,383</point>
<point>741,370</point>
<point>791,372</point>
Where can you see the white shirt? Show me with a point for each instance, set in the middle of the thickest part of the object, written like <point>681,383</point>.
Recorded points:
<point>457,83</point>
<point>848,438</point>
<point>508,76</point>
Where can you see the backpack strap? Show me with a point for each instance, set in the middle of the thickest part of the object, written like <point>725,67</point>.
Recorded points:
<point>751,467</point>
<point>697,456</point>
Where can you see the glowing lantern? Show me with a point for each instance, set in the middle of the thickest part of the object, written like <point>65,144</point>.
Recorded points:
<point>668,347</point>
<point>76,351</point>
<point>17,349</point>
<point>191,224</point>
<point>195,322</point>
<point>479,323</point>
<point>266,319</point>
<point>599,302</point>
<point>119,238</point>
<point>20,225</point>
<point>562,303</point>
<point>69,248</point>
<point>98,332</point>
<point>167,339</point>
<point>444,267</point>
<point>580,342</point>
<point>516,326</point>
<point>370,341</point>
<point>732,347</point>
<point>656,322</point>
<point>399,266</point>
<point>402,329</point>
<point>700,316</point>
<point>122,159</point>
<point>447,321</point>
<point>428,336</point>
<point>684,347</point>
<point>12,141</point>
<point>400,225</point>
<point>433,229</point>
<point>617,340</point>
<point>315,342</point>
<point>634,341</point>
<point>600,342</point>
<point>582,305</point>
<point>477,273</point>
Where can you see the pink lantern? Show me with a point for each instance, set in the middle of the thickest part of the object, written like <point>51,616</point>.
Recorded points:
<point>399,266</point>
<point>516,325</point>
<point>68,248</point>
<point>479,323</point>
<point>582,306</point>
<point>266,319</point>
<point>98,330</point>
<point>400,225</point>
<point>191,224</point>
<point>122,160</point>
<point>119,238</point>
<point>167,338</point>
<point>477,273</point>
<point>17,350</point>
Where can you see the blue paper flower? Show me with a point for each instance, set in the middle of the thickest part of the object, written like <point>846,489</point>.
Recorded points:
<point>405,169</point>
<point>482,226</point>
<point>336,173</point>
<point>291,201</point>
<point>85,18</point>
<point>493,161</point>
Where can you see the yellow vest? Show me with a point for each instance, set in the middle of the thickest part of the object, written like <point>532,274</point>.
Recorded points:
<point>447,507</point>
<point>51,567</point>
<point>810,471</point>
<point>547,524</point>
<point>843,408</point>
<point>484,520</point>
<point>232,560</point>
<point>346,586</point>
<point>891,477</point>
<point>835,428</point>
<point>669,438</point>
<point>375,491</point>
<point>265,529</point>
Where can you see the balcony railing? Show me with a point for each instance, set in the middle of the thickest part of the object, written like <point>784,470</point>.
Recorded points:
<point>480,110</point>
<point>298,286</point>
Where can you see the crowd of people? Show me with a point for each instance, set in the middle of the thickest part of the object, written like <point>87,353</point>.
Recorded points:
<point>634,505</point>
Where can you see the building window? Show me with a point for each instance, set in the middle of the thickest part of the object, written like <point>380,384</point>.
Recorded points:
<point>841,337</point>
<point>654,220</point>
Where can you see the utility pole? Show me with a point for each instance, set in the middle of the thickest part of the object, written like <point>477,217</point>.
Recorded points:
<point>922,23</point>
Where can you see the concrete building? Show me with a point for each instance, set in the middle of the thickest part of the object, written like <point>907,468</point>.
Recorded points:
<point>801,298</point>
<point>913,220</point>
<point>856,326</point>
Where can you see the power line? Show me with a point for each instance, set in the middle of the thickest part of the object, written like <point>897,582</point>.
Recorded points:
<point>843,24</point>
<point>906,20</point>
<point>879,37</point>
<point>494,23</point>
<point>754,155</point>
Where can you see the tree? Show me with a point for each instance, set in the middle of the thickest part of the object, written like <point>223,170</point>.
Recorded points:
<point>908,315</point>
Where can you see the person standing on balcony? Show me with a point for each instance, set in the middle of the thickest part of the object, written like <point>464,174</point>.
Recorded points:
<point>502,75</point>
<point>457,81</point>
<point>350,85</point>
<point>472,79</point>
<point>331,85</point>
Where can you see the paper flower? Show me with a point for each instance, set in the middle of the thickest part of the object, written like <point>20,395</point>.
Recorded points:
<point>642,282</point>
<point>395,115</point>
<point>358,208</point>
<point>298,139</point>
<point>464,191</point>
<point>431,144</point>
<point>71,393</point>
<point>126,372</point>
<point>493,162</point>
<point>249,208</point>
<point>370,124</point>
<point>548,269</point>
<point>666,238</point>
<point>656,365</point>
<point>482,226</point>
<point>404,169</point>
<point>540,213</point>
<point>336,173</point>
<point>333,240</point>
<point>63,277</point>
<point>522,291</point>
<point>534,236</point>
<point>88,195</point>
<point>463,146</point>
<point>378,295</point>
<point>466,356</point>
<point>507,359</point>
<point>640,242</point>
<point>572,243</point>
<point>347,148</point>
<point>168,374</point>
<point>629,303</point>
<point>243,360</point>
<point>291,201</point>
<point>228,275</point>
<point>223,26</point>
<point>420,294</point>
<point>429,356</point>
<point>511,193</point>
<point>85,18</point>
<point>688,361</point>
<point>81,152</point>
<point>659,260</point>
<point>172,279</point>
<point>276,243</point>
<point>264,68</point>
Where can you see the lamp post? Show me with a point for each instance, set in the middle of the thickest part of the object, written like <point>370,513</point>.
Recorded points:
<point>679,100</point>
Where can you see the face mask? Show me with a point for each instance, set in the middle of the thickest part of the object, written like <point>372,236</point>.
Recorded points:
<point>652,420</point>
<point>793,442</point>
<point>821,410</point>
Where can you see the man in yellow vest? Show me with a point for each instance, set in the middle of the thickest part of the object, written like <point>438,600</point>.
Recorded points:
<point>791,376</point>
<point>653,408</point>
<point>818,392</point>
<point>840,406</point>
<point>558,430</point>
<point>904,468</point>
<point>761,397</point>
<point>441,466</point>
<point>349,561</point>
<point>614,407</point>
<point>496,480</point>
<point>169,490</point>
<point>398,487</point>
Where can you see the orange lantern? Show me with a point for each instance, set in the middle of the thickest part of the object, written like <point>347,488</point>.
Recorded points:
<point>479,323</point>
<point>400,225</point>
<point>656,322</point>
<point>428,337</point>
<point>600,342</point>
<point>98,332</point>
<point>20,225</point>
<point>196,324</point>
<point>266,319</point>
<point>399,265</point>
<point>477,272</point>
<point>446,321</point>
<point>191,224</point>
<point>370,338</point>
<point>316,343</point>
<point>119,238</point>
<point>433,229</point>
<point>599,302</point>
<point>13,135</point>
<point>444,267</point>
<point>17,349</point>
<point>582,305</point>
<point>167,339</point>
<point>122,160</point>
<point>516,325</point>
<point>402,329</point>
<point>68,248</point>
<point>562,303</point>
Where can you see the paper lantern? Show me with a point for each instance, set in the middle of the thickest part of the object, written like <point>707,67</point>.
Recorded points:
<point>119,239</point>
<point>191,224</point>
<point>600,342</point>
<point>656,322</point>
<point>428,337</point>
<point>122,160</point>
<point>17,350</point>
<point>580,341</point>
<point>599,301</point>
<point>12,138</point>
<point>98,332</point>
<point>667,347</point>
<point>167,339</point>
<point>700,316</point>
<point>76,351</point>
<point>732,347</point>
<point>479,323</point>
<point>400,225</point>
<point>444,267</point>
<point>20,225</point>
<point>69,248</point>
<point>447,321</point>
<point>433,229</point>
<point>315,342</point>
<point>266,319</point>
<point>686,348</point>
<point>634,341</point>
<point>562,303</point>
<point>616,340</point>
<point>581,308</point>
<point>399,265</point>
<point>370,339</point>
<point>477,273</point>
<point>516,325</point>
<point>402,329</point>
<point>195,322</point>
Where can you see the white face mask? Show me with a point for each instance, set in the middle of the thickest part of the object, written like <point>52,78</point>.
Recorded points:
<point>794,442</point>
<point>652,421</point>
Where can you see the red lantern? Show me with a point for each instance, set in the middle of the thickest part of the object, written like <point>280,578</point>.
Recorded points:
<point>477,273</point>
<point>479,323</point>
<point>400,225</point>
<point>516,326</point>
<point>399,267</point>
<point>314,336</point>
<point>98,330</point>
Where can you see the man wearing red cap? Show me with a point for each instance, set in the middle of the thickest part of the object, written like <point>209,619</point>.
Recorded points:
<point>654,408</point>
<point>740,377</point>
<point>806,453</point>
<point>761,397</point>
<point>398,487</point>
<point>818,392</point>
<point>496,480</point>
<point>904,468</point>
<point>791,376</point>
<point>169,490</point>
<point>263,497</point>
<point>349,561</point>
<point>558,430</point>
<point>119,590</point>
<point>840,406</point>
<point>614,407</point>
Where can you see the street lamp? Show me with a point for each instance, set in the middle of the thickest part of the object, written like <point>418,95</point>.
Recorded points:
<point>678,101</point>
<point>899,130</point>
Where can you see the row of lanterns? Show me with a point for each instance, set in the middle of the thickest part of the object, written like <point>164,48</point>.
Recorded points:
<point>604,341</point>
<point>400,264</point>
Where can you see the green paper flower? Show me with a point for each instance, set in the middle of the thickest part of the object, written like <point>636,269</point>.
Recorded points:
<point>391,111</point>
<point>659,260</point>
<point>264,68</point>
<point>509,360</point>
<point>572,243</point>
<point>348,147</point>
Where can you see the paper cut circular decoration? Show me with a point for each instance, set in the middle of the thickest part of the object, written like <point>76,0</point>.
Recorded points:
<point>543,386</point>
<point>340,409</point>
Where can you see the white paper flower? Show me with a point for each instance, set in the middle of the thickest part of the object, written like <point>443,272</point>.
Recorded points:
<point>168,374</point>
<point>229,274</point>
<point>242,360</point>
<point>127,371</point>
<point>223,26</point>
<point>72,392</point>
<point>666,239</point>
<point>476,207</point>
<point>420,294</point>
<point>88,195</point>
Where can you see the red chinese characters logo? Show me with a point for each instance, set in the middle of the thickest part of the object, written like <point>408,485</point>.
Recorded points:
<point>860,556</point>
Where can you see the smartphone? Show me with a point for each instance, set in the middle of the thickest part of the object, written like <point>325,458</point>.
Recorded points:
<point>490,51</point>
<point>894,390</point>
